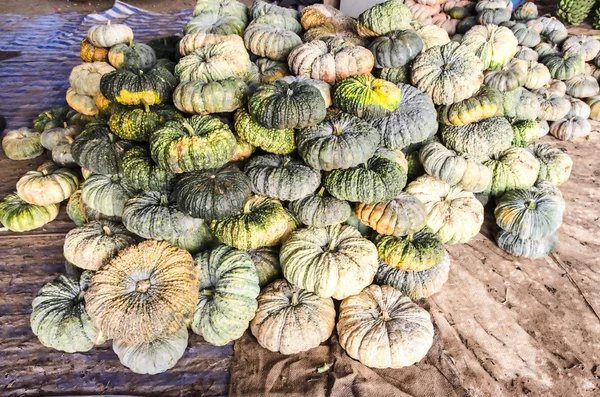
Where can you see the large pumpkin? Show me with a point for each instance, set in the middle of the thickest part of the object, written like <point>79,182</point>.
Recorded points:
<point>513,168</point>
<point>320,210</point>
<point>59,318</point>
<point>414,252</point>
<point>270,41</point>
<point>367,97</point>
<point>509,77</point>
<point>526,247</point>
<point>106,194</point>
<point>480,139</point>
<point>383,18</point>
<point>494,45</point>
<point>138,124</point>
<point>260,7</point>
<point>449,73</point>
<point>214,62</point>
<point>228,291</point>
<point>18,215</point>
<point>334,261</point>
<point>109,35</point>
<point>142,173</point>
<point>382,328</point>
<point>197,97</point>
<point>22,144</point>
<point>191,42</point>
<point>135,88</point>
<point>396,48</point>
<point>85,78</point>
<point>278,141</point>
<point>48,185</point>
<point>215,23</point>
<point>98,150</point>
<point>555,165</point>
<point>263,222</point>
<point>233,8</point>
<point>197,143</point>
<point>290,320</point>
<point>563,67</point>
<point>398,217</point>
<point>486,103</point>
<point>148,290</point>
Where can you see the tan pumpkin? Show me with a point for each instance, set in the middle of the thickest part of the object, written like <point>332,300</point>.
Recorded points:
<point>319,14</point>
<point>191,42</point>
<point>48,185</point>
<point>84,104</point>
<point>85,78</point>
<point>90,53</point>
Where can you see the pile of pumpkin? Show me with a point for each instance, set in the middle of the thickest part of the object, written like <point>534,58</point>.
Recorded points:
<point>296,176</point>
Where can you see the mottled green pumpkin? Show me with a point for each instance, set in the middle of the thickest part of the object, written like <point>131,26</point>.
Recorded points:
<point>526,132</point>
<point>22,144</point>
<point>281,104</point>
<point>340,141</point>
<point>134,56</point>
<point>383,18</point>
<point>51,137</point>
<point>76,209</point>
<point>570,128</point>
<point>510,76</point>
<point>214,62</point>
<point>135,88</point>
<point>414,252</point>
<point>412,123</point>
<point>266,261</point>
<point>454,214</point>
<point>527,248</point>
<point>51,118</point>
<point>260,7</point>
<point>396,48</point>
<point>563,67</point>
<point>520,104</point>
<point>269,139</point>
<point>487,102</point>
<point>18,215</point>
<point>320,210</point>
<point>106,194</point>
<point>49,184</point>
<point>555,165</point>
<point>199,238</point>
<point>398,217</point>
<point>269,41</point>
<point>415,285</point>
<point>200,142</point>
<point>513,168</point>
<point>222,7</point>
<point>213,194</point>
<point>449,73</point>
<point>228,291</point>
<point>282,177</point>
<point>142,173</point>
<point>367,97</point>
<point>582,86</point>
<point>394,75</point>
<point>215,23</point>
<point>381,178</point>
<point>480,139</point>
<point>94,244</point>
<point>526,12</point>
<point>99,150</point>
<point>494,45</point>
<point>281,21</point>
<point>138,124</point>
<point>526,35</point>
<point>197,97</point>
<point>334,261</point>
<point>58,316</point>
<point>263,222</point>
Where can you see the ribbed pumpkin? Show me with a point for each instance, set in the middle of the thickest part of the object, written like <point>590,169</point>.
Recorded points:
<point>290,320</point>
<point>106,194</point>
<point>197,97</point>
<point>282,177</point>
<point>51,118</point>
<point>198,238</point>
<point>330,60</point>
<point>521,104</point>
<point>135,88</point>
<point>84,104</point>
<point>330,31</point>
<point>414,252</point>
<point>555,165</point>
<point>449,73</point>
<point>454,214</point>
<point>398,217</point>
<point>538,75</point>
<point>367,97</point>
<point>340,141</point>
<point>510,76</point>
<point>526,247</point>
<point>266,261</point>
<point>526,54</point>
<point>58,316</point>
<point>191,42</point>
<point>383,18</point>
<point>570,128</point>
<point>148,290</point>
<point>480,139</point>
<point>48,185</point>
<point>138,124</point>
<point>526,11</point>
<point>318,14</point>
<point>320,210</point>
<point>513,168</point>
<point>526,35</point>
<point>582,86</point>
<point>394,75</point>
<point>415,285</point>
<point>18,215</point>
<point>594,104</point>
<point>197,143</point>
<point>382,328</point>
<point>260,7</point>
<point>154,357</point>
<point>335,261</point>
<point>414,121</point>
<point>98,150</point>
<point>494,45</point>
<point>432,35</point>
<point>142,173</point>
<point>281,21</point>
<point>109,35</point>
<point>213,194</point>
<point>22,144</point>
<point>263,222</point>
<point>51,137</point>
<point>270,41</point>
<point>215,23</point>
<point>586,46</point>
<point>563,67</point>
<point>214,62</point>
<point>486,103</point>
<point>228,291</point>
<point>76,209</point>
<point>94,244</point>
<point>579,108</point>
<point>269,70</point>
<point>85,78</point>
<point>90,53</point>
<point>282,104</point>
<point>396,48</point>
<point>134,56</point>
<point>553,107</point>
<point>278,141</point>
<point>233,8</point>
<point>323,88</point>
<point>526,132</point>
<point>381,178</point>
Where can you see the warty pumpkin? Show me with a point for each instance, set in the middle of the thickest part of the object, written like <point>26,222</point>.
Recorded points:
<point>109,35</point>
<point>90,53</point>
<point>278,141</point>
<point>270,41</point>
<point>414,252</point>
<point>367,97</point>
<point>383,18</point>
<point>18,215</point>
<point>555,165</point>
<point>51,118</point>
<point>398,217</point>
<point>521,104</point>
<point>198,97</point>
<point>22,144</point>
<point>513,168</point>
<point>138,124</point>
<point>134,56</point>
<point>396,48</point>
<point>214,62</point>
<point>142,173</point>
<point>526,132</point>
<point>135,88</point>
<point>480,139</point>
<point>98,150</point>
<point>486,103</point>
<point>215,23</point>
<point>394,75</point>
<point>106,194</point>
<point>49,184</point>
<point>320,210</point>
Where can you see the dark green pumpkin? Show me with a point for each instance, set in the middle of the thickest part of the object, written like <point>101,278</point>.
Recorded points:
<point>480,139</point>
<point>563,67</point>
<point>320,210</point>
<point>143,174</point>
<point>138,124</point>
<point>213,194</point>
<point>134,88</point>
<point>51,118</point>
<point>395,75</point>
<point>133,56</point>
<point>106,194</point>
<point>165,47</point>
<point>98,150</point>
<point>396,48</point>
<point>268,139</point>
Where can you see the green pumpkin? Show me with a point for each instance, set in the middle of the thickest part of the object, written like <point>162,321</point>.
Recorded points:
<point>280,21</point>
<point>22,144</point>
<point>106,194</point>
<point>398,217</point>
<point>213,194</point>
<point>513,168</point>
<point>587,46</point>
<point>396,48</point>
<point>414,252</point>
<point>526,35</point>
<point>334,261</point>
<point>527,54</point>
<point>48,185</point>
<point>62,153</point>
<point>555,165</point>
<point>340,141</point>
<point>269,41</point>
<point>199,238</point>
<point>415,285</point>
<point>527,248</point>
<point>51,118</point>
<point>582,86</point>
<point>263,222</point>
<point>51,137</point>
<point>214,62</point>
<point>381,178</point>
<point>319,210</point>
<point>563,67</point>
<point>486,103</point>
<point>94,244</point>
<point>197,97</point>
<point>197,143</point>
<point>526,132</point>
<point>159,355</point>
<point>76,209</point>
<point>538,75</point>
<point>98,150</point>
<point>509,77</point>
<point>395,75</point>
<point>19,216</point>
<point>215,23</point>
<point>58,316</point>
<point>527,11</point>
<point>384,18</point>
<point>143,174</point>
<point>266,261</point>
<point>480,139</point>
<point>413,123</point>
<point>269,70</point>
<point>138,124</point>
<point>228,291</point>
<point>520,104</point>
<point>281,104</point>
<point>282,177</point>
<point>494,45</point>
<point>579,108</point>
<point>268,139</point>
<point>367,97</point>
<point>135,88</point>
<point>134,56</point>
<point>260,7</point>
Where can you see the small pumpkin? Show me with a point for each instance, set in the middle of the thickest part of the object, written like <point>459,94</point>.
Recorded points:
<point>266,261</point>
<point>51,118</point>
<point>84,104</point>
<point>278,141</point>
<point>135,88</point>
<point>383,18</point>
<point>563,67</point>
<point>90,53</point>
<point>527,248</point>
<point>538,75</point>
<point>367,97</point>
<point>106,194</point>
<point>527,11</point>
<point>587,46</point>
<point>49,184</point>
<point>396,48</point>
<point>76,209</point>
<point>479,139</point>
<point>138,124</point>
<point>514,168</point>
<point>197,97</point>
<point>51,137</point>
<point>555,165</point>
<point>22,144</point>
<point>214,62</point>
<point>215,23</point>
<point>270,41</point>
<point>582,86</point>
<point>553,107</point>
<point>109,35</point>
<point>494,45</point>
<point>18,215</point>
<point>98,150</point>
<point>509,77</point>
<point>570,128</point>
<point>62,153</point>
<point>398,217</point>
<point>414,252</point>
<point>320,210</point>
<point>135,56</point>
<point>484,104</point>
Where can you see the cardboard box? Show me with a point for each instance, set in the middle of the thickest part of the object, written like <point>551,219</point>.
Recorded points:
<point>355,7</point>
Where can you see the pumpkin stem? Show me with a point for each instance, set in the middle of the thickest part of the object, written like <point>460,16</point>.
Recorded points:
<point>295,301</point>
<point>331,245</point>
<point>65,125</point>
<point>337,129</point>
<point>142,286</point>
<point>69,139</point>
<point>321,192</point>
<point>286,161</point>
<point>188,127</point>
<point>146,106</point>
<point>530,205</point>
<point>164,199</point>
<point>385,316</point>
<point>114,178</point>
<point>208,292</point>
<point>107,230</point>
